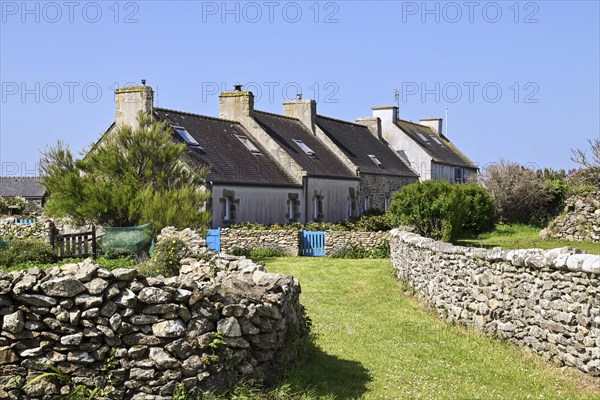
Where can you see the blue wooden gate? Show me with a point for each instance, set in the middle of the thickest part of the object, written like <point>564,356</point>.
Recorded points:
<point>213,240</point>
<point>313,244</point>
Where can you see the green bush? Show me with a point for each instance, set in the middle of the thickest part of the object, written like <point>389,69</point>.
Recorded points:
<point>259,252</point>
<point>355,251</point>
<point>19,202</point>
<point>435,208</point>
<point>22,251</point>
<point>165,260</point>
<point>479,208</point>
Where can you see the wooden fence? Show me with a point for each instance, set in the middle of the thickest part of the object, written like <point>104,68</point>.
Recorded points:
<point>73,245</point>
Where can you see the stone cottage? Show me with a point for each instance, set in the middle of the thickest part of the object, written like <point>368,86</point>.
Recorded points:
<point>28,187</point>
<point>361,147</point>
<point>424,147</point>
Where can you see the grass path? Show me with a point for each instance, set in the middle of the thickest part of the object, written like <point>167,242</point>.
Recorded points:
<point>373,342</point>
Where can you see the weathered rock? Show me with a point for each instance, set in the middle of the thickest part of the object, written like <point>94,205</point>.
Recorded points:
<point>229,327</point>
<point>14,322</point>
<point>63,287</point>
<point>152,295</point>
<point>169,329</point>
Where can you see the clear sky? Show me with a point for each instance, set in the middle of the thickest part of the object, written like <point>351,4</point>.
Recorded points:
<point>520,79</point>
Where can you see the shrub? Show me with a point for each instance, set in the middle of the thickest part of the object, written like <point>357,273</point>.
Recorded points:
<point>434,208</point>
<point>259,252</point>
<point>355,251</point>
<point>21,251</point>
<point>479,208</point>
<point>19,202</point>
<point>165,260</point>
<point>520,194</point>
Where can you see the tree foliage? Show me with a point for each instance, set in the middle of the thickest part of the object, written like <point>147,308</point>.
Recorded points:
<point>129,178</point>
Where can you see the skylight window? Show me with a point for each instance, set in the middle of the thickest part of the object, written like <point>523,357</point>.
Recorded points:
<point>437,141</point>
<point>249,145</point>
<point>422,136</point>
<point>187,138</point>
<point>376,160</point>
<point>305,148</point>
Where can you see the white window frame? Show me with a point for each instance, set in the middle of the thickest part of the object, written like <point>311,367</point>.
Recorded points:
<point>227,216</point>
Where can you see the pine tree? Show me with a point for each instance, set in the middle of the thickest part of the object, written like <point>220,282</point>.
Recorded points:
<point>129,178</point>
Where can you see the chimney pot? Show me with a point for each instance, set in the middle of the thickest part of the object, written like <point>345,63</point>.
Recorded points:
<point>237,88</point>
<point>299,96</point>
<point>143,82</point>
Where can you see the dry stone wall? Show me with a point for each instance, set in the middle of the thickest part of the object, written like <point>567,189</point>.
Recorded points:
<point>337,240</point>
<point>580,220</point>
<point>217,322</point>
<point>548,301</point>
<point>286,240</point>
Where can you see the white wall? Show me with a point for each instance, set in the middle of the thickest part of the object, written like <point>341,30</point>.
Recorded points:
<point>417,158</point>
<point>264,205</point>
<point>335,200</point>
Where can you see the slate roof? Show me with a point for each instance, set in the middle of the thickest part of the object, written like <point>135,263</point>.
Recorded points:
<point>28,187</point>
<point>228,159</point>
<point>284,130</point>
<point>445,153</point>
<point>357,142</point>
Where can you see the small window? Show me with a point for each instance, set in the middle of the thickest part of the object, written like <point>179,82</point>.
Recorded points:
<point>227,211</point>
<point>386,203</point>
<point>437,141</point>
<point>366,203</point>
<point>458,175</point>
<point>304,147</point>
<point>318,208</point>
<point>187,138</point>
<point>249,145</point>
<point>376,160</point>
<point>422,136</point>
<point>293,207</point>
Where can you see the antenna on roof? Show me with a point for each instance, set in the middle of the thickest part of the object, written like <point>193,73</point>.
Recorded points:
<point>446,134</point>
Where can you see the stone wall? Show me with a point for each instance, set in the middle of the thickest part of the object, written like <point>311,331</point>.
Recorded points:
<point>337,240</point>
<point>285,240</point>
<point>290,240</point>
<point>9,229</point>
<point>217,322</point>
<point>548,301</point>
<point>580,221</point>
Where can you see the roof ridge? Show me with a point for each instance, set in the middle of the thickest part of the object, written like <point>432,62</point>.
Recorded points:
<point>414,123</point>
<point>277,115</point>
<point>196,115</point>
<point>342,121</point>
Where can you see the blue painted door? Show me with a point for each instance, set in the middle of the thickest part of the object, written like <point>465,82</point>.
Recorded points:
<point>213,240</point>
<point>313,244</point>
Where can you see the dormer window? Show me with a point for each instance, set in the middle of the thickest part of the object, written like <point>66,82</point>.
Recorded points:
<point>249,145</point>
<point>305,148</point>
<point>187,138</point>
<point>376,160</point>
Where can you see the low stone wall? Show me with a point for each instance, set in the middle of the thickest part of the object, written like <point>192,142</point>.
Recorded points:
<point>9,229</point>
<point>285,240</point>
<point>548,301</point>
<point>217,322</point>
<point>337,240</point>
<point>290,241</point>
<point>580,220</point>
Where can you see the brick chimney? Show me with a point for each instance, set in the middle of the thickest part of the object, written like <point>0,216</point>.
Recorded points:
<point>304,110</point>
<point>434,123</point>
<point>387,114</point>
<point>237,104</point>
<point>374,125</point>
<point>131,100</point>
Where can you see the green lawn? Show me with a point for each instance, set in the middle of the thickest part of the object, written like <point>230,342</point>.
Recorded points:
<point>521,237</point>
<point>374,342</point>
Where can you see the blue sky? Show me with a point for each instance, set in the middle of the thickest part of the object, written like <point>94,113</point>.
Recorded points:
<point>520,79</point>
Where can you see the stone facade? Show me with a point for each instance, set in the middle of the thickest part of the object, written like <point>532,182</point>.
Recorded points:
<point>579,222</point>
<point>215,323</point>
<point>380,189</point>
<point>286,240</point>
<point>337,240</point>
<point>548,301</point>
